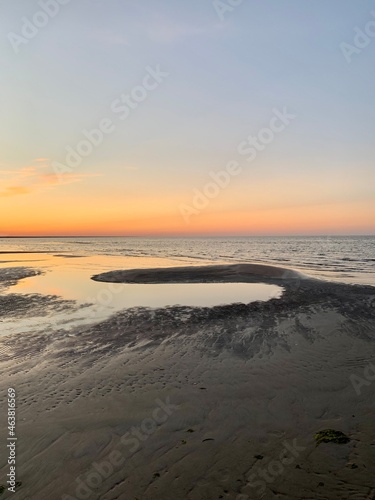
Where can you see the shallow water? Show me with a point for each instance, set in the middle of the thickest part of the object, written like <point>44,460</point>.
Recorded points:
<point>70,279</point>
<point>349,259</point>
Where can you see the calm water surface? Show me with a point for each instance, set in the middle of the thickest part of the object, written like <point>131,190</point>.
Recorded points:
<point>69,277</point>
<point>345,258</point>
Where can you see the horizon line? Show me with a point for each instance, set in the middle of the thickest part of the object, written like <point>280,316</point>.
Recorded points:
<point>189,236</point>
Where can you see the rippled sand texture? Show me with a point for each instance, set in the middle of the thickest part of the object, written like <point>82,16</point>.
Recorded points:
<point>239,382</point>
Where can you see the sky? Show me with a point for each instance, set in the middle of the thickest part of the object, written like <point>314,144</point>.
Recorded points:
<point>199,117</point>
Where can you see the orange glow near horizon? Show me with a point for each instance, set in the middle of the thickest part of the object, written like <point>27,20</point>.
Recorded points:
<point>98,205</point>
<point>337,219</point>
<point>158,109</point>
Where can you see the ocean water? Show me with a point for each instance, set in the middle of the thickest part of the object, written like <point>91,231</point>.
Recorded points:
<point>67,265</point>
<point>349,259</point>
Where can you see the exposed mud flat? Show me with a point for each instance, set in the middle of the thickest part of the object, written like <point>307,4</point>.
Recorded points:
<point>9,276</point>
<point>240,388</point>
<point>16,306</point>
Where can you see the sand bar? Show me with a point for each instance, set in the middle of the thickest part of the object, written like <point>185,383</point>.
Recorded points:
<point>235,273</point>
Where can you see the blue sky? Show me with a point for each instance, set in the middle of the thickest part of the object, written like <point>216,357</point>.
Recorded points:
<point>225,78</point>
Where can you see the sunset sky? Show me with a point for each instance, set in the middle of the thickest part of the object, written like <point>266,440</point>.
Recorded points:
<point>205,81</point>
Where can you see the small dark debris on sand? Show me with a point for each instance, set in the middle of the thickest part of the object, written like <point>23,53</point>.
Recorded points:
<point>331,436</point>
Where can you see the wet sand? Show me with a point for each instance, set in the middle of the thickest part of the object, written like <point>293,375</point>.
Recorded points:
<point>235,273</point>
<point>199,403</point>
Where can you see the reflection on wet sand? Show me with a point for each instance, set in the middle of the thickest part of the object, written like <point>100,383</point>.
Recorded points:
<point>241,381</point>
<point>54,277</point>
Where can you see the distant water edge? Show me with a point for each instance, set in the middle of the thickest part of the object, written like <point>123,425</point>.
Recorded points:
<point>350,259</point>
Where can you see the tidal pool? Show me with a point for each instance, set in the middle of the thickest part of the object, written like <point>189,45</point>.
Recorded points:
<point>70,279</point>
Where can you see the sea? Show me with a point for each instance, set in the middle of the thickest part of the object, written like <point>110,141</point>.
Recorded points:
<point>349,259</point>
<point>64,268</point>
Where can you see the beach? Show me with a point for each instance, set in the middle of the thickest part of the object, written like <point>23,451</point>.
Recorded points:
<point>187,250</point>
<point>196,402</point>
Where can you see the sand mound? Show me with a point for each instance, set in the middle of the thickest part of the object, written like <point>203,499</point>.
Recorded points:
<point>236,273</point>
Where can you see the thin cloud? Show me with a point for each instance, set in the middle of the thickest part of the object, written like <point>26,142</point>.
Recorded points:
<point>19,174</point>
<point>33,179</point>
<point>39,160</point>
<point>14,191</point>
<point>53,179</point>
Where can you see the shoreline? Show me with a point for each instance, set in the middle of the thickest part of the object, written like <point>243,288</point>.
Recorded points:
<point>352,267</point>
